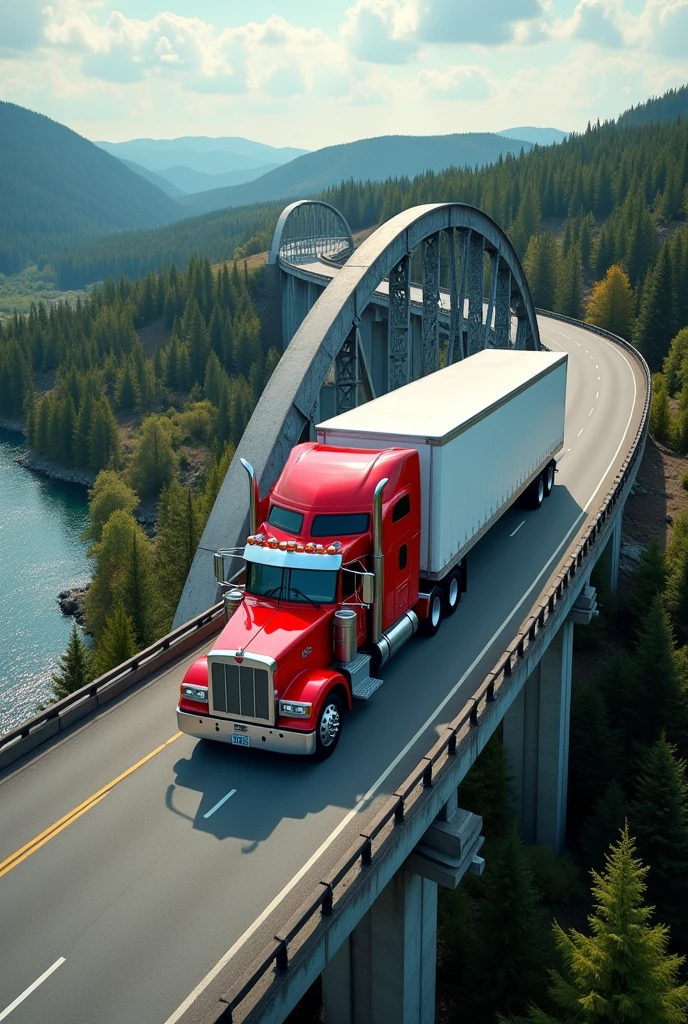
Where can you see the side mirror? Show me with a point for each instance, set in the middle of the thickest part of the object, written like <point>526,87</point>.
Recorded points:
<point>219,566</point>
<point>368,587</point>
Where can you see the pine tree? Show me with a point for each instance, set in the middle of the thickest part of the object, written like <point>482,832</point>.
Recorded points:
<point>602,828</point>
<point>676,594</point>
<point>649,579</point>
<point>179,531</point>
<point>75,667</point>
<point>103,442</point>
<point>128,392</point>
<point>656,696</point>
<point>511,961</point>
<point>659,819</point>
<point>137,589</point>
<point>117,643</point>
<point>660,411</point>
<point>612,304</point>
<point>541,265</point>
<point>595,752</point>
<point>675,360</point>
<point>622,972</point>
<point>658,319</point>
<point>569,290</point>
<point>111,564</point>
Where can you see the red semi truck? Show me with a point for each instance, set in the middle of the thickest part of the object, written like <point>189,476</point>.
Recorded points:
<point>362,542</point>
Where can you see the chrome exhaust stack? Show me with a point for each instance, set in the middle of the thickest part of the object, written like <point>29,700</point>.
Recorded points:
<point>378,562</point>
<point>254,496</point>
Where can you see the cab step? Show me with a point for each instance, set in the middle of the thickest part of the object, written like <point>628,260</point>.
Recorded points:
<point>362,689</point>
<point>363,685</point>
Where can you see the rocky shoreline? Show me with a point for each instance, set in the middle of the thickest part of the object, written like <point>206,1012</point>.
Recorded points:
<point>16,426</point>
<point>69,474</point>
<point>71,603</point>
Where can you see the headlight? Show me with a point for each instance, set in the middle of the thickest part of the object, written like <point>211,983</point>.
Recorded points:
<point>295,709</point>
<point>199,693</point>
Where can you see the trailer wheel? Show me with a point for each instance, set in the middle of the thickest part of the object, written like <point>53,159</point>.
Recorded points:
<point>549,478</point>
<point>453,586</point>
<point>430,625</point>
<point>535,494</point>
<point>329,727</point>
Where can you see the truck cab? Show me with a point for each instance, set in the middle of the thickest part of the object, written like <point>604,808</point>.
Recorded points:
<point>332,566</point>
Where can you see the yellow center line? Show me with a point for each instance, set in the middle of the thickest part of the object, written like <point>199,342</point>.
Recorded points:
<point>67,819</point>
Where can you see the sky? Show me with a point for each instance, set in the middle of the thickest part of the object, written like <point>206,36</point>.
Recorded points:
<point>313,73</point>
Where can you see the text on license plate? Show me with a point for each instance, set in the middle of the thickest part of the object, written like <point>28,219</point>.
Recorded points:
<point>241,741</point>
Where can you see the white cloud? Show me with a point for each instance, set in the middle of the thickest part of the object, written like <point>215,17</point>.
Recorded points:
<point>461,82</point>
<point>663,27</point>
<point>599,21</point>
<point>381,31</point>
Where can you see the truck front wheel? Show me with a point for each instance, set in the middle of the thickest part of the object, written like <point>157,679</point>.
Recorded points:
<point>329,727</point>
<point>431,624</point>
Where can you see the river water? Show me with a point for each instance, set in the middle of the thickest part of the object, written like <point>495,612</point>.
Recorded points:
<point>41,521</point>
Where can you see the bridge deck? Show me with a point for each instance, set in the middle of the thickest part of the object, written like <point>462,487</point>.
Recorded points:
<point>147,889</point>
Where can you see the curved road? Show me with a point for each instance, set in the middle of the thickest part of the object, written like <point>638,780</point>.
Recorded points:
<point>135,892</point>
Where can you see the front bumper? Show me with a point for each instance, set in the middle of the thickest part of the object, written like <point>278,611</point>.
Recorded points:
<point>262,737</point>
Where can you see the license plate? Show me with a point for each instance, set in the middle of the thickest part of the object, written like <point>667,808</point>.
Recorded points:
<point>241,741</point>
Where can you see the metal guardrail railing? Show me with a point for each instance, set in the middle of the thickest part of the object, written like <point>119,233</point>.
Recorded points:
<point>457,733</point>
<point>80,703</point>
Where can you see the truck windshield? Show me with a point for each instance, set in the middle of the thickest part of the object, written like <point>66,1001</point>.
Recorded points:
<point>317,586</point>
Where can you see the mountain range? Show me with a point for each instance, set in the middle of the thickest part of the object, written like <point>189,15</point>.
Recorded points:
<point>200,163</point>
<point>368,159</point>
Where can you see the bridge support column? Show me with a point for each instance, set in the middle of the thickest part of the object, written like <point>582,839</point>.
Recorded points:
<point>536,739</point>
<point>613,552</point>
<point>385,970</point>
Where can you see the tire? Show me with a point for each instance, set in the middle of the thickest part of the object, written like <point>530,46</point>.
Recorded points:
<point>535,494</point>
<point>329,727</point>
<point>429,626</point>
<point>550,470</point>
<point>453,586</point>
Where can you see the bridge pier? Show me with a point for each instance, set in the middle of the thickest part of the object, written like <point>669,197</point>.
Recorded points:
<point>536,739</point>
<point>613,552</point>
<point>385,970</point>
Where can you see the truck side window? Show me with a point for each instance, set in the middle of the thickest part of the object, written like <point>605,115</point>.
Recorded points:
<point>403,556</point>
<point>402,508</point>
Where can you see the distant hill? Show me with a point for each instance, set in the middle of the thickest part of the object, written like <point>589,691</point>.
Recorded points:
<point>186,179</point>
<point>365,160</point>
<point>156,179</point>
<point>537,136</point>
<point>668,107</point>
<point>208,156</point>
<point>57,188</point>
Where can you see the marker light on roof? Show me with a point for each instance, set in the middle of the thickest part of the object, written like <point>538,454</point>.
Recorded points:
<point>283,545</point>
<point>291,545</point>
<point>319,549</point>
<point>299,546</point>
<point>273,542</point>
<point>310,548</point>
<point>332,550</point>
<point>250,540</point>
<point>260,539</point>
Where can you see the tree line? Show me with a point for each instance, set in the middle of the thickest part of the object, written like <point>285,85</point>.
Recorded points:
<point>211,358</point>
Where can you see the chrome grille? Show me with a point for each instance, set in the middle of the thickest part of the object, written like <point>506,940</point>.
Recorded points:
<point>242,691</point>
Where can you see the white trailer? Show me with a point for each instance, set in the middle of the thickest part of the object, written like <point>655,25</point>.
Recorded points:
<point>487,431</point>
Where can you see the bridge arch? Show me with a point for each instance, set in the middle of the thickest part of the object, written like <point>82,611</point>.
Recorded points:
<point>310,227</point>
<point>329,338</point>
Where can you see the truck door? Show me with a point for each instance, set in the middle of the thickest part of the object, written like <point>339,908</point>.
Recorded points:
<point>400,554</point>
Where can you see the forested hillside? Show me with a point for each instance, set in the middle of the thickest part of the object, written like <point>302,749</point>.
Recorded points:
<point>57,187</point>
<point>367,159</point>
<point>668,107</point>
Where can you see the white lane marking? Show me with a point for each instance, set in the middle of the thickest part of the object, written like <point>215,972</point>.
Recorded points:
<point>580,431</point>
<point>219,803</point>
<point>591,412</point>
<point>519,526</point>
<point>252,928</point>
<point>32,988</point>
<point>597,396</point>
<point>597,367</point>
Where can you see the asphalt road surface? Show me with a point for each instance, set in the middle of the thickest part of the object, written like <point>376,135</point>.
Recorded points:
<point>135,862</point>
